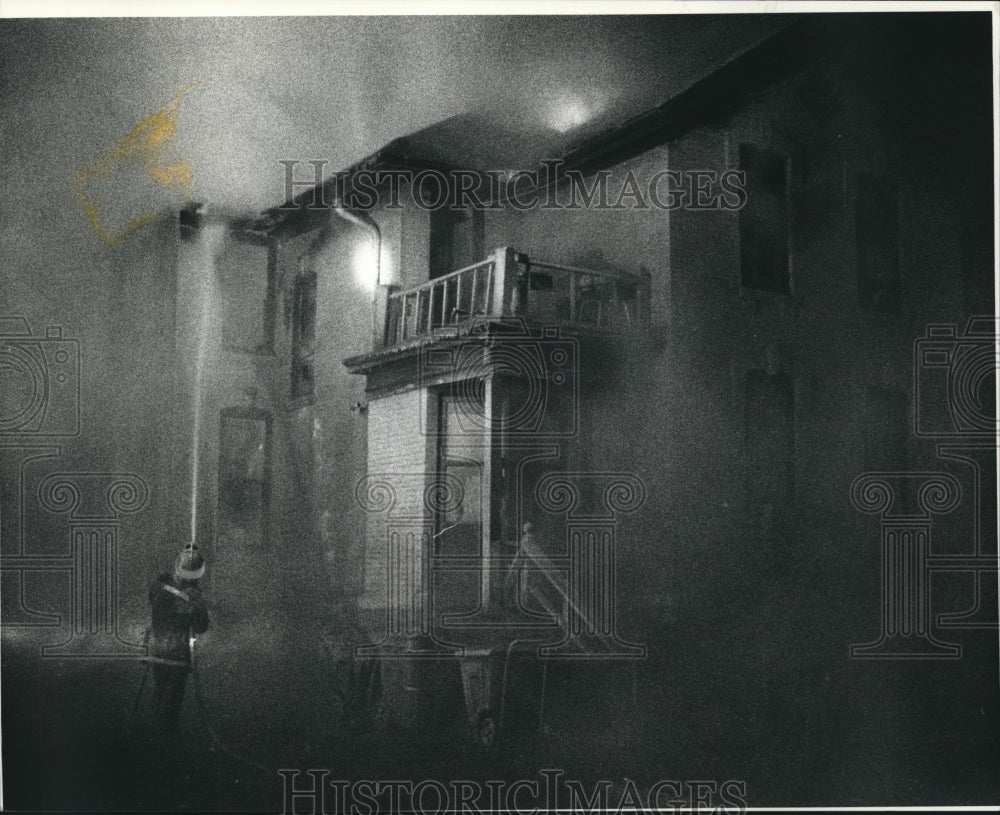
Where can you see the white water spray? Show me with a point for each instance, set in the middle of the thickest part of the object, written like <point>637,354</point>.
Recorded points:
<point>203,287</point>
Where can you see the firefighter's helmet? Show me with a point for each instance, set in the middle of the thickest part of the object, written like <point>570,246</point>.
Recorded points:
<point>189,565</point>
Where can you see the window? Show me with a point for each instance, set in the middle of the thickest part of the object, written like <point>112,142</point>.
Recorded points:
<point>764,221</point>
<point>877,232</point>
<point>304,335</point>
<point>462,436</point>
<point>245,273</point>
<point>462,459</point>
<point>244,475</point>
<point>456,240</point>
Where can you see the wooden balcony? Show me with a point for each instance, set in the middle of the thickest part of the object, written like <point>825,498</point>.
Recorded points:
<point>508,284</point>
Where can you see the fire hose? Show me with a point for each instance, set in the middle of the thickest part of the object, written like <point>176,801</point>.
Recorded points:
<point>206,719</point>
<point>203,714</point>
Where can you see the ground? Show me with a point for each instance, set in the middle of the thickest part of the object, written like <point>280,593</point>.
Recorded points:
<point>73,742</point>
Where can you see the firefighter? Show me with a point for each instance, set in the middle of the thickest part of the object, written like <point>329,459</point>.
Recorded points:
<point>178,613</point>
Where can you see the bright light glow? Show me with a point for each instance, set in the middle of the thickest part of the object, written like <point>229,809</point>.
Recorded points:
<point>568,112</point>
<point>366,264</point>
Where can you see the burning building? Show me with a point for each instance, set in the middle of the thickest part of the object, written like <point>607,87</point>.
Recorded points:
<point>520,442</point>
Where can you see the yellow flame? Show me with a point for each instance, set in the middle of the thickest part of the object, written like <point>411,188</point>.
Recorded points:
<point>142,146</point>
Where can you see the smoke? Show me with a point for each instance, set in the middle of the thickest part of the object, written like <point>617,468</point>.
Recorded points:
<point>332,88</point>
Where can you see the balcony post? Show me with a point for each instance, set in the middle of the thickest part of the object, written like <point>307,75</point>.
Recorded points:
<point>380,323</point>
<point>504,279</point>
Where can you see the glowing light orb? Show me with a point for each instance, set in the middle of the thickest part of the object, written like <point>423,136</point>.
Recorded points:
<point>366,265</point>
<point>568,112</point>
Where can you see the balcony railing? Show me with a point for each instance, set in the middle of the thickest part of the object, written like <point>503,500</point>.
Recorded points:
<point>445,300</point>
<point>509,284</point>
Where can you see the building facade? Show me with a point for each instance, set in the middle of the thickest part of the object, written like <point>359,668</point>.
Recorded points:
<point>624,434</point>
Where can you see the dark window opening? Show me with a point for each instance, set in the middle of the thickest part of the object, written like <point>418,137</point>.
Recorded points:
<point>244,476</point>
<point>246,272</point>
<point>462,436</point>
<point>461,463</point>
<point>877,230</point>
<point>304,335</point>
<point>190,219</point>
<point>764,221</point>
<point>456,240</point>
